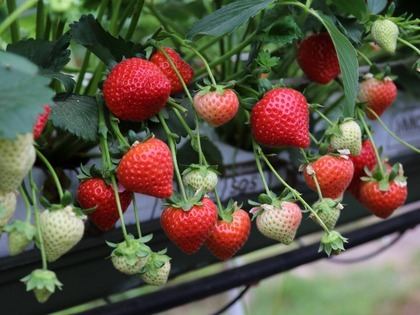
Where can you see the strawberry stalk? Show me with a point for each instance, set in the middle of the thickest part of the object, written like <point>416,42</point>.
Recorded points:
<point>360,115</point>
<point>107,164</point>
<point>134,19</point>
<point>391,133</point>
<point>27,203</point>
<point>40,242</point>
<point>113,121</point>
<point>172,147</point>
<point>52,172</point>
<point>136,216</point>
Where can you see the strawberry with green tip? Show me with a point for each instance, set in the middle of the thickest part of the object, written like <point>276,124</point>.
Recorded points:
<point>157,269</point>
<point>378,94</point>
<point>382,194</point>
<point>43,283</point>
<point>16,159</point>
<point>230,233</point>
<point>61,228</point>
<point>7,207</point>
<point>217,106</point>
<point>385,33</point>
<point>200,177</point>
<point>147,169</point>
<point>281,119</point>
<point>349,137</point>
<point>136,89</point>
<point>333,173</point>
<point>184,69</point>
<point>130,256</point>
<point>276,218</point>
<point>188,222</point>
<point>328,210</point>
<point>20,235</point>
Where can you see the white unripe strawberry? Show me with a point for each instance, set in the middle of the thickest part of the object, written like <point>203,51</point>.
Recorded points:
<point>385,34</point>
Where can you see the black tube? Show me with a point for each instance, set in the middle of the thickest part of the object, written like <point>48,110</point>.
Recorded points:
<point>170,297</point>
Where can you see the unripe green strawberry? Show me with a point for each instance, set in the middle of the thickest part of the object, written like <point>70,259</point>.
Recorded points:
<point>20,235</point>
<point>328,210</point>
<point>7,207</point>
<point>157,270</point>
<point>16,159</point>
<point>279,223</point>
<point>43,283</point>
<point>350,138</point>
<point>61,230</point>
<point>200,177</point>
<point>130,258</point>
<point>385,34</point>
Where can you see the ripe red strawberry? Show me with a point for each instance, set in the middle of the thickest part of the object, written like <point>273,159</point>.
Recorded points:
<point>190,228</point>
<point>43,283</point>
<point>279,222</point>
<point>184,69</point>
<point>130,256</point>
<point>216,107</point>
<point>377,94</point>
<point>281,118</point>
<point>157,269</point>
<point>61,230</point>
<point>7,207</point>
<point>94,192</point>
<point>41,121</point>
<point>382,202</point>
<point>333,173</point>
<point>136,89</point>
<point>366,158</point>
<point>318,59</point>
<point>200,177</point>
<point>16,159</point>
<point>350,138</point>
<point>385,33</point>
<point>147,169</point>
<point>230,233</point>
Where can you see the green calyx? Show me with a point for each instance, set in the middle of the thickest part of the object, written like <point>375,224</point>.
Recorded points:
<point>192,198</point>
<point>270,199</point>
<point>203,169</point>
<point>227,213</point>
<point>24,227</point>
<point>156,261</point>
<point>332,243</point>
<point>43,283</point>
<point>396,173</point>
<point>132,249</point>
<point>326,205</point>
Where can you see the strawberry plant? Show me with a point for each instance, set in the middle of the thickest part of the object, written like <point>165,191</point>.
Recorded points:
<point>137,98</point>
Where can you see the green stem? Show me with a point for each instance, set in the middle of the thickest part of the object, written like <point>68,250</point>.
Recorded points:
<point>116,129</point>
<point>203,47</point>
<point>173,153</point>
<point>136,215</point>
<point>52,172</point>
<point>14,27</point>
<point>295,193</point>
<point>228,54</point>
<point>120,213</point>
<point>364,57</point>
<point>257,152</point>
<point>403,41</point>
<point>360,115</point>
<point>23,194</point>
<point>39,30</point>
<point>391,133</point>
<point>323,116</point>
<point>177,106</point>
<point>314,140</point>
<point>11,18</point>
<point>134,19</point>
<point>37,221</point>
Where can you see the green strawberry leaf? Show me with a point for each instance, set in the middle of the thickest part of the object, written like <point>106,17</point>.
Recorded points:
<point>357,8</point>
<point>347,57</point>
<point>76,114</point>
<point>90,33</point>
<point>23,91</point>
<point>228,18</point>
<point>376,6</point>
<point>275,30</point>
